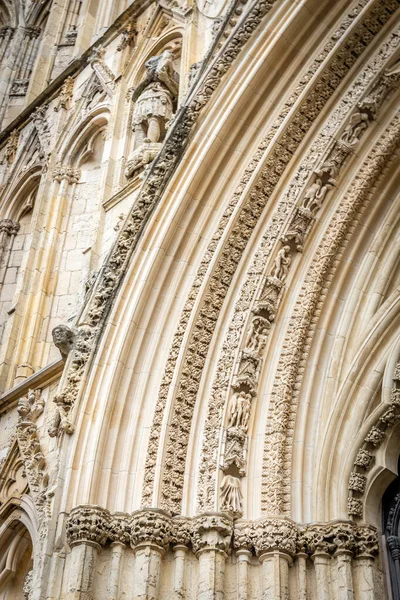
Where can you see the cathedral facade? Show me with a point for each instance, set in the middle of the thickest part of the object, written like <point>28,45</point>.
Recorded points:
<point>199,300</point>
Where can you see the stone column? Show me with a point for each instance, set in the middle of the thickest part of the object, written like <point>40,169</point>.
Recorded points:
<point>181,535</point>
<point>322,568</point>
<point>344,574</point>
<point>242,543</point>
<point>366,548</point>
<point>150,537</point>
<point>301,564</point>
<point>212,533</point>
<point>87,530</point>
<point>119,535</point>
<point>275,544</point>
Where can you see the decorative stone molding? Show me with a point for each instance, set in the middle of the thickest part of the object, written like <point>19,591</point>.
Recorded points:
<point>19,87</point>
<point>297,341</point>
<point>212,531</point>
<point>67,172</point>
<point>88,524</point>
<point>366,454</point>
<point>29,409</point>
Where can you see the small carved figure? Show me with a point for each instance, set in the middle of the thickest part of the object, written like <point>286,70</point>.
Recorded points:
<point>231,495</point>
<point>63,338</point>
<point>154,103</point>
<point>315,194</point>
<point>282,264</point>
<point>239,410</point>
<point>359,122</point>
<point>258,334</point>
<point>153,107</point>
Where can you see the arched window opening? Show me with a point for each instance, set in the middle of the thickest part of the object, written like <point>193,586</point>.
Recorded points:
<point>15,562</point>
<point>15,241</point>
<point>391,532</point>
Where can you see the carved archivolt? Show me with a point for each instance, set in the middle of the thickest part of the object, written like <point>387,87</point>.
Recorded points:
<point>365,457</point>
<point>276,469</point>
<point>271,288</point>
<point>194,361</point>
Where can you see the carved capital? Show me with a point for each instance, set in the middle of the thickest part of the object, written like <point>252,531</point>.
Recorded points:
<point>366,541</point>
<point>181,533</point>
<point>151,526</point>
<point>67,172</point>
<point>88,525</point>
<point>120,528</point>
<point>243,535</point>
<point>328,538</point>
<point>275,534</point>
<point>8,226</point>
<point>212,531</point>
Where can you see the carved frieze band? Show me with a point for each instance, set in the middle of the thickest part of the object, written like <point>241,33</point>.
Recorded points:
<point>216,532</point>
<point>365,457</point>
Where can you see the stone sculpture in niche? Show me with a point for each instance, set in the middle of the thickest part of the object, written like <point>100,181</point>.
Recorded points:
<point>154,104</point>
<point>239,409</point>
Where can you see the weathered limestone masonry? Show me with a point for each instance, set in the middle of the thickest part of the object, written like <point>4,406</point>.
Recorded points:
<point>199,300</point>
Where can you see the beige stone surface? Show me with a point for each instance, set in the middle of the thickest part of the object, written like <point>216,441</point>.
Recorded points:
<point>199,299</point>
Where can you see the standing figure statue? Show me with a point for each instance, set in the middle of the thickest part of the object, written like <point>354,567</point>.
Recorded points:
<point>154,104</point>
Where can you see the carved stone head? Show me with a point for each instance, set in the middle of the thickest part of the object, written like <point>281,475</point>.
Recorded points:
<point>63,338</point>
